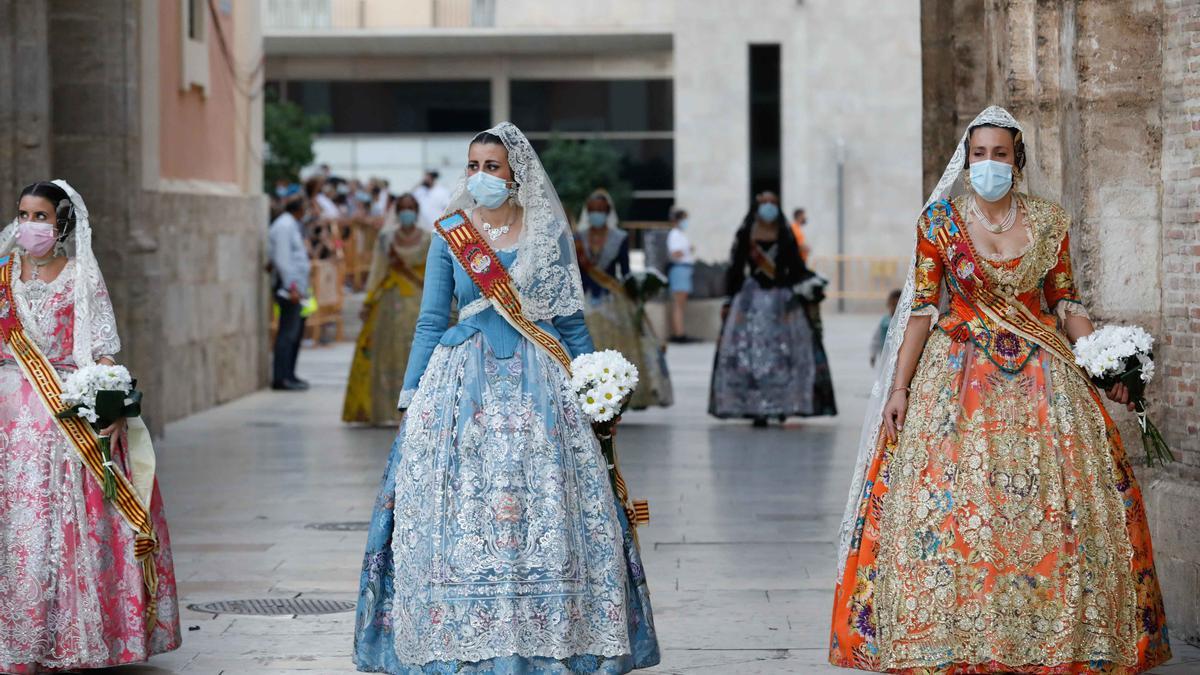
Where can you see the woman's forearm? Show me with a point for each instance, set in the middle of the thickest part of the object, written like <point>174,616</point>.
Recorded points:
<point>1077,326</point>
<point>915,336</point>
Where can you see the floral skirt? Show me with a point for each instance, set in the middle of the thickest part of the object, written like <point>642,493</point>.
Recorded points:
<point>380,357</point>
<point>71,594</point>
<point>610,320</point>
<point>496,545</point>
<point>770,361</point>
<point>1003,533</point>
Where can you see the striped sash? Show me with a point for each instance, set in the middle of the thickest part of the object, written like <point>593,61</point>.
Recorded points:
<point>483,265</point>
<point>44,380</point>
<point>965,272</point>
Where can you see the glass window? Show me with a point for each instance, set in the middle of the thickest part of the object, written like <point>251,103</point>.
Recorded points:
<point>395,107</point>
<point>592,105</point>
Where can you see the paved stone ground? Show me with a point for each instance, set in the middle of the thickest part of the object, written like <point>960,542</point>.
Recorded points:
<point>740,552</point>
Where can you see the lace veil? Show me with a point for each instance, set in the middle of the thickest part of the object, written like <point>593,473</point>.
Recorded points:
<point>546,271</point>
<point>886,374</point>
<point>88,282</point>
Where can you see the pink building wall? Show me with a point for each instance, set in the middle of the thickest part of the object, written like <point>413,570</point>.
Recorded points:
<point>197,129</point>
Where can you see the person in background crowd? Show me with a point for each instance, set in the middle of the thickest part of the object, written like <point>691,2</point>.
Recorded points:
<point>290,271</point>
<point>679,273</point>
<point>612,317</point>
<point>799,220</point>
<point>433,198</point>
<point>389,315</point>
<point>770,361</point>
<point>880,336</point>
<point>380,199</point>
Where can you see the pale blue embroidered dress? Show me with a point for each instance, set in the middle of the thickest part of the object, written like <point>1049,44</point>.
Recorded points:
<point>496,545</point>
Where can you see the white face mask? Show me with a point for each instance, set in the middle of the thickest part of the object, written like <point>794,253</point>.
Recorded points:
<point>991,179</point>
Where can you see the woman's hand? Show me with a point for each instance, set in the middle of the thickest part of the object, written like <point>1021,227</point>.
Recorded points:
<point>1120,394</point>
<point>894,412</point>
<point>113,430</point>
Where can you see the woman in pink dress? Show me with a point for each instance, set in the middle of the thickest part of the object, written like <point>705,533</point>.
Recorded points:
<point>81,587</point>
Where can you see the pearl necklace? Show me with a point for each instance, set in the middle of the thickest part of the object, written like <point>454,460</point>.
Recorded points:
<point>1005,225</point>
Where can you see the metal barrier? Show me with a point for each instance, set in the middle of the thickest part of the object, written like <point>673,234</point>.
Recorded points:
<point>862,277</point>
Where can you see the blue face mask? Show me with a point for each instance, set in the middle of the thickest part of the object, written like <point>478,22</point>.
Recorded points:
<point>991,179</point>
<point>489,191</point>
<point>768,212</point>
<point>597,218</point>
<point>407,217</point>
<point>682,224</point>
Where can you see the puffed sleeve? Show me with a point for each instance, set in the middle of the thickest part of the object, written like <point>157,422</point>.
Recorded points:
<point>1062,296</point>
<point>927,276</point>
<point>434,317</point>
<point>105,340</point>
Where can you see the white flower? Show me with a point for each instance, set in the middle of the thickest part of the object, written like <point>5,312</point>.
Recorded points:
<point>81,386</point>
<point>89,415</point>
<point>1105,352</point>
<point>602,380</point>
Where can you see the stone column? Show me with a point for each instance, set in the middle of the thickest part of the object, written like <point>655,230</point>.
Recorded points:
<point>96,139</point>
<point>24,99</point>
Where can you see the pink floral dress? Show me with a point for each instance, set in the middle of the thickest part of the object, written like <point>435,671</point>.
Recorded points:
<point>71,591</point>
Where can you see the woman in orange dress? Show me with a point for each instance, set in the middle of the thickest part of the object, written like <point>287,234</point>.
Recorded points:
<point>994,523</point>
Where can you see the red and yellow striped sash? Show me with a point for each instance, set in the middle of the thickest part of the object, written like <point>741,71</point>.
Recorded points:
<point>964,270</point>
<point>485,269</point>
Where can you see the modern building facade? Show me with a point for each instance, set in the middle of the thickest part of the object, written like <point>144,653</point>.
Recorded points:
<point>706,101</point>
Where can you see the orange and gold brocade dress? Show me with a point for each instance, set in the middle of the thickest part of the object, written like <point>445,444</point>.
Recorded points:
<point>1004,531</point>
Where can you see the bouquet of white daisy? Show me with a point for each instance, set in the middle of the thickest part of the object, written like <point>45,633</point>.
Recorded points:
<point>101,395</point>
<point>604,382</point>
<point>1124,354</point>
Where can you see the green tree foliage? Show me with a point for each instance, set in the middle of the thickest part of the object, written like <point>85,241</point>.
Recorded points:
<point>578,167</point>
<point>289,135</point>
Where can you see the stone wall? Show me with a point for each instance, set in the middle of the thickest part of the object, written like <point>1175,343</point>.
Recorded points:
<point>184,269</point>
<point>24,97</point>
<point>1175,500</point>
<point>1108,95</point>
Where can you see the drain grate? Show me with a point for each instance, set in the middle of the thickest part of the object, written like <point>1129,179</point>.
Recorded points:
<point>273,607</point>
<point>349,526</point>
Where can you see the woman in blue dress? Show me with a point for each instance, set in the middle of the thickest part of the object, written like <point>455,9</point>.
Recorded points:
<point>496,545</point>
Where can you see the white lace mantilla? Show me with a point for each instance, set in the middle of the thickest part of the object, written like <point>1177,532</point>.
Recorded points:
<point>546,271</point>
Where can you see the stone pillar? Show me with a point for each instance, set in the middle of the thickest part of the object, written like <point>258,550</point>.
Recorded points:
<point>24,99</point>
<point>954,78</point>
<point>96,140</point>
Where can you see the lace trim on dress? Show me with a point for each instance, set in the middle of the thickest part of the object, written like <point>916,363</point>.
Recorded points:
<point>1066,308</point>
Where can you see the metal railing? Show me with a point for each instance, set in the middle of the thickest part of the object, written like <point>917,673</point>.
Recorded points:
<point>357,14</point>
<point>863,277</point>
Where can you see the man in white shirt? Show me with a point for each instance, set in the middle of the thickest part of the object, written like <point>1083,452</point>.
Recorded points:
<point>432,198</point>
<point>289,279</point>
<point>679,274</point>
